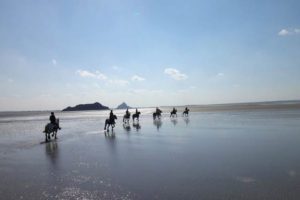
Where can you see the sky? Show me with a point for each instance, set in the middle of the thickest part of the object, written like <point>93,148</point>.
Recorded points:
<point>55,54</point>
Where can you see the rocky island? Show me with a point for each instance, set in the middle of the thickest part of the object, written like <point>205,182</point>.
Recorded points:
<point>123,106</point>
<point>82,107</point>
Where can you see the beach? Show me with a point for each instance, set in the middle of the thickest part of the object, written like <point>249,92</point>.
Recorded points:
<point>242,153</point>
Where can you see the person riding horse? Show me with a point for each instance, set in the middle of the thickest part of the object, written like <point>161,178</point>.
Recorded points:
<point>157,113</point>
<point>186,112</point>
<point>110,121</point>
<point>53,121</point>
<point>173,113</point>
<point>51,127</point>
<point>126,117</point>
<point>136,115</point>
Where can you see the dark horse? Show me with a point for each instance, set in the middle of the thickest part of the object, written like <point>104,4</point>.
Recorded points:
<point>136,115</point>
<point>110,122</point>
<point>51,128</point>
<point>173,113</point>
<point>126,118</point>
<point>157,114</point>
<point>186,112</point>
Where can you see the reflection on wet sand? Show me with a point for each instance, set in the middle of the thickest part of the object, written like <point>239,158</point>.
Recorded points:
<point>127,127</point>
<point>137,126</point>
<point>174,121</point>
<point>110,137</point>
<point>52,151</point>
<point>186,120</point>
<point>158,123</point>
<point>110,134</point>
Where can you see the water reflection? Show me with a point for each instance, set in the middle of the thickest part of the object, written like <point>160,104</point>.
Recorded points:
<point>127,127</point>
<point>52,151</point>
<point>110,134</point>
<point>186,120</point>
<point>174,121</point>
<point>110,137</point>
<point>157,123</point>
<point>137,126</point>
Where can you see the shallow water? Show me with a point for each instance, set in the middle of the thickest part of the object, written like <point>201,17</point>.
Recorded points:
<point>209,155</point>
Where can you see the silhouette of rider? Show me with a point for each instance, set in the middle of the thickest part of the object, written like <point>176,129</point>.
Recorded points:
<point>136,111</point>
<point>158,111</point>
<point>52,119</point>
<point>186,109</point>
<point>127,112</point>
<point>174,110</point>
<point>111,117</point>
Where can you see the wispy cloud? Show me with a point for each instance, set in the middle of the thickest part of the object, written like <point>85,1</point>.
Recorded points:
<point>145,91</point>
<point>175,74</point>
<point>88,74</point>
<point>54,62</point>
<point>137,78</point>
<point>220,74</point>
<point>119,82</point>
<point>286,32</point>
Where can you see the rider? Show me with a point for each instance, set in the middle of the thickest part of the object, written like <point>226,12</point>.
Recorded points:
<point>52,119</point>
<point>127,112</point>
<point>158,111</point>
<point>186,109</point>
<point>111,116</point>
<point>136,111</point>
<point>174,110</point>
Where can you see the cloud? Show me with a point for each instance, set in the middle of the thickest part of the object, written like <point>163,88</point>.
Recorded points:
<point>54,62</point>
<point>87,74</point>
<point>286,32</point>
<point>145,91</point>
<point>220,74</point>
<point>175,74</point>
<point>137,78</point>
<point>119,82</point>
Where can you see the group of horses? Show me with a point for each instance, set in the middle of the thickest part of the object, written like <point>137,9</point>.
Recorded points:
<point>51,129</point>
<point>135,117</point>
<point>173,113</point>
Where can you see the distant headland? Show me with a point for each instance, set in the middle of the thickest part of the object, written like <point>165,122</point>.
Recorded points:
<point>123,106</point>
<point>82,107</point>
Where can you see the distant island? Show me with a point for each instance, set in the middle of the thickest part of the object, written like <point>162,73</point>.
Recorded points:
<point>81,107</point>
<point>123,106</point>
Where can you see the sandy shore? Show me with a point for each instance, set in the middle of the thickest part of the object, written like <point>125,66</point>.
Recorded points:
<point>210,155</point>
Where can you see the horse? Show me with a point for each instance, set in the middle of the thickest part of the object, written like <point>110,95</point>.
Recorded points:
<point>110,122</point>
<point>173,113</point>
<point>186,113</point>
<point>126,118</point>
<point>136,115</point>
<point>157,115</point>
<point>51,128</point>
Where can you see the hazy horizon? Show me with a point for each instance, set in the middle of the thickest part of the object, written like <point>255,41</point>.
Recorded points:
<point>56,54</point>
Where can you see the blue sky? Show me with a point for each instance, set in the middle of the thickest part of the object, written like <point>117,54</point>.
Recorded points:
<point>147,53</point>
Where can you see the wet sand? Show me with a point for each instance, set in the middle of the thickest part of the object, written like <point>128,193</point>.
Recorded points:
<point>249,154</point>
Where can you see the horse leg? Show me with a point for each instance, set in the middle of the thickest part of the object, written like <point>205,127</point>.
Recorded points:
<point>105,124</point>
